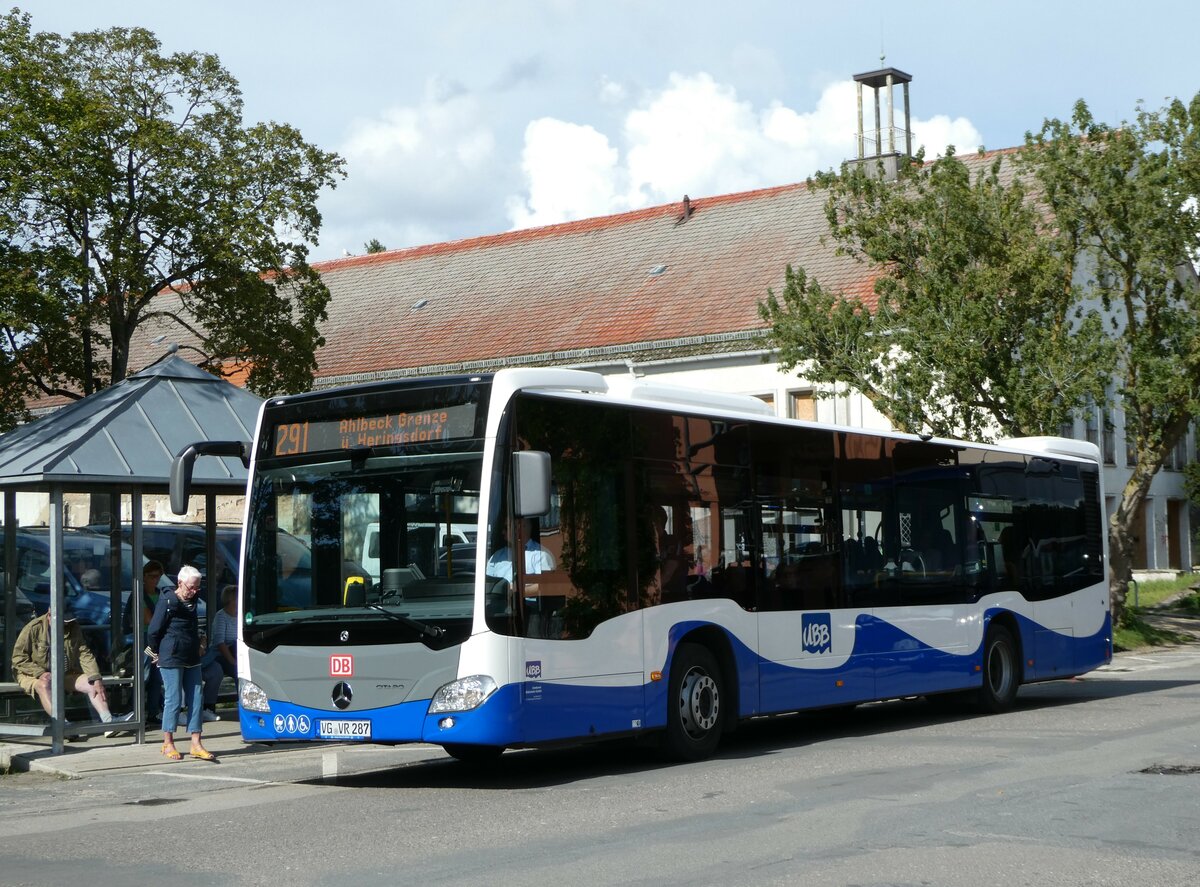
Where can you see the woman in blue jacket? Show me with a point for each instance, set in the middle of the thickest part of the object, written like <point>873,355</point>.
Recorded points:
<point>173,642</point>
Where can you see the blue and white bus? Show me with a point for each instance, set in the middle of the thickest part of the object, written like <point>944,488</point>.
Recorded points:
<point>688,561</point>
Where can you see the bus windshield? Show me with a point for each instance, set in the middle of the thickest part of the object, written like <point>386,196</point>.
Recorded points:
<point>366,538</point>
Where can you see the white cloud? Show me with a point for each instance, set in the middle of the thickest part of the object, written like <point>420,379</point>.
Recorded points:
<point>696,137</point>
<point>571,172</point>
<point>938,132</point>
<point>417,174</point>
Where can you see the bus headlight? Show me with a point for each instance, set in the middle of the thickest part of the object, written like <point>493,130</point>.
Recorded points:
<point>251,697</point>
<point>462,695</point>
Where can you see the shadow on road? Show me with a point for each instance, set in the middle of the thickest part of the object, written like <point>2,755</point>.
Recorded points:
<point>535,769</point>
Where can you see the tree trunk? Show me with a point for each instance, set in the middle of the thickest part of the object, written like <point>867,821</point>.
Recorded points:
<point>1124,533</point>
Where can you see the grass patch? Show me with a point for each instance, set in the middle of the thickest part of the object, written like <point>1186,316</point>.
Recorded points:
<point>1150,594</point>
<point>1134,633</point>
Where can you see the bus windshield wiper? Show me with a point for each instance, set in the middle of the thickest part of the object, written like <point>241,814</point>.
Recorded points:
<point>432,631</point>
<point>273,630</point>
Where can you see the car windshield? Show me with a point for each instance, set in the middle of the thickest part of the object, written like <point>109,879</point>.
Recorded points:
<point>355,538</point>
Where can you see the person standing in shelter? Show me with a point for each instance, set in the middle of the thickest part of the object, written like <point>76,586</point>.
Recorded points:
<point>152,572</point>
<point>31,665</point>
<point>173,643</point>
<point>221,657</point>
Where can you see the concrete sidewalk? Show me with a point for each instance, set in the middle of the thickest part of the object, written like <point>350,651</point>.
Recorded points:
<point>99,755</point>
<point>122,752</point>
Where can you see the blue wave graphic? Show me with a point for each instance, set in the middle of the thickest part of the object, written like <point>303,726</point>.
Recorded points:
<point>885,663</point>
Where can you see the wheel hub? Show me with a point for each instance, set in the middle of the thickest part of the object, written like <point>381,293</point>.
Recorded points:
<point>699,703</point>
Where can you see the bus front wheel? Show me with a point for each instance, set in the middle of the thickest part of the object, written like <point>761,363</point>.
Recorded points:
<point>1001,675</point>
<point>695,712</point>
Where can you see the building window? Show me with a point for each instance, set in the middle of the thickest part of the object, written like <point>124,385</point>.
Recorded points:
<point>1130,445</point>
<point>1181,452</point>
<point>768,399</point>
<point>1091,429</point>
<point>1108,446</point>
<point>802,405</point>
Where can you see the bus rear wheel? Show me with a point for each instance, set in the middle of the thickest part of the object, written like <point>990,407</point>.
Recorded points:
<point>695,704</point>
<point>474,754</point>
<point>1001,675</point>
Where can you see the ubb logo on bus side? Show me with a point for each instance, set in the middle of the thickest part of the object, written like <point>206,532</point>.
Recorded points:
<point>341,665</point>
<point>816,633</point>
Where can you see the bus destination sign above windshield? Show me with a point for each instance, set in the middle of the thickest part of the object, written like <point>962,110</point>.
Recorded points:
<point>384,430</point>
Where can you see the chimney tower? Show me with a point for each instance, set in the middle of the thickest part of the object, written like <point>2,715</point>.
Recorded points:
<point>877,147</point>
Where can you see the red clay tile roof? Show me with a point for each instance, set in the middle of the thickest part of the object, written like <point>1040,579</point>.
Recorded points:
<point>578,285</point>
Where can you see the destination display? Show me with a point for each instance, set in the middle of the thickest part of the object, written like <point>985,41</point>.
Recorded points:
<point>383,430</point>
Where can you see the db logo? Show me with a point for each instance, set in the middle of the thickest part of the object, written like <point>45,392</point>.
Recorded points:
<point>816,635</point>
<point>341,665</point>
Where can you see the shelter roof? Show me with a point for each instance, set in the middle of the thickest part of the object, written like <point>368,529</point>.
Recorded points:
<point>129,433</point>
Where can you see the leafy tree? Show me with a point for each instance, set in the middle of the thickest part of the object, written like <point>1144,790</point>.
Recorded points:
<point>979,327</point>
<point>1008,300</point>
<point>133,194</point>
<point>1129,195</point>
<point>374,246</point>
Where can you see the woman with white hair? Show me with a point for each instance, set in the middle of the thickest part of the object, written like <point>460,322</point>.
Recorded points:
<point>173,642</point>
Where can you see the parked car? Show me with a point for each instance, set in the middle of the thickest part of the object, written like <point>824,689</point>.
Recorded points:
<point>461,557</point>
<point>175,544</point>
<point>87,580</point>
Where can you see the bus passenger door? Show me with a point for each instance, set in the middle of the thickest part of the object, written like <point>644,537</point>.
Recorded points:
<point>581,632</point>
<point>925,625</point>
<point>807,635</point>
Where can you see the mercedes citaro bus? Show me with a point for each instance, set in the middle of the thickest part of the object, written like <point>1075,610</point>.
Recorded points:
<point>645,561</point>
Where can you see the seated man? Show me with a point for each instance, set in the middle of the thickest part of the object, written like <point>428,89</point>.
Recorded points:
<point>31,665</point>
<point>538,558</point>
<point>220,659</point>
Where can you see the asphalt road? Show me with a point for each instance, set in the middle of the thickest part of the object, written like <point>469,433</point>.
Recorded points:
<point>1087,782</point>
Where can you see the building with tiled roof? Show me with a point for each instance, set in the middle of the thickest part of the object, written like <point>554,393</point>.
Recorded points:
<point>669,291</point>
<point>651,285</point>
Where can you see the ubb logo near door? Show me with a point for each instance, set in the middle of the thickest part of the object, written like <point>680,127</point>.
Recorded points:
<point>816,636</point>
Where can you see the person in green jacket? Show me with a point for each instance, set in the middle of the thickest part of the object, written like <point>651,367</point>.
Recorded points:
<point>31,664</point>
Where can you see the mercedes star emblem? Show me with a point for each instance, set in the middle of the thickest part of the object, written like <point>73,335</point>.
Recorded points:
<point>345,636</point>
<point>342,694</point>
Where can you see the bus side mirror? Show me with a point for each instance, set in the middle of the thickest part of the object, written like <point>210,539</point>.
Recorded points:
<point>531,483</point>
<point>185,459</point>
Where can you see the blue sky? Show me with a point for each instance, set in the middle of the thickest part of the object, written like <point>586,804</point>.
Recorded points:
<point>466,118</point>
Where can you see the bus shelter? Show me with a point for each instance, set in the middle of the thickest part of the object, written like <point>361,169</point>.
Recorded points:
<point>112,450</point>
